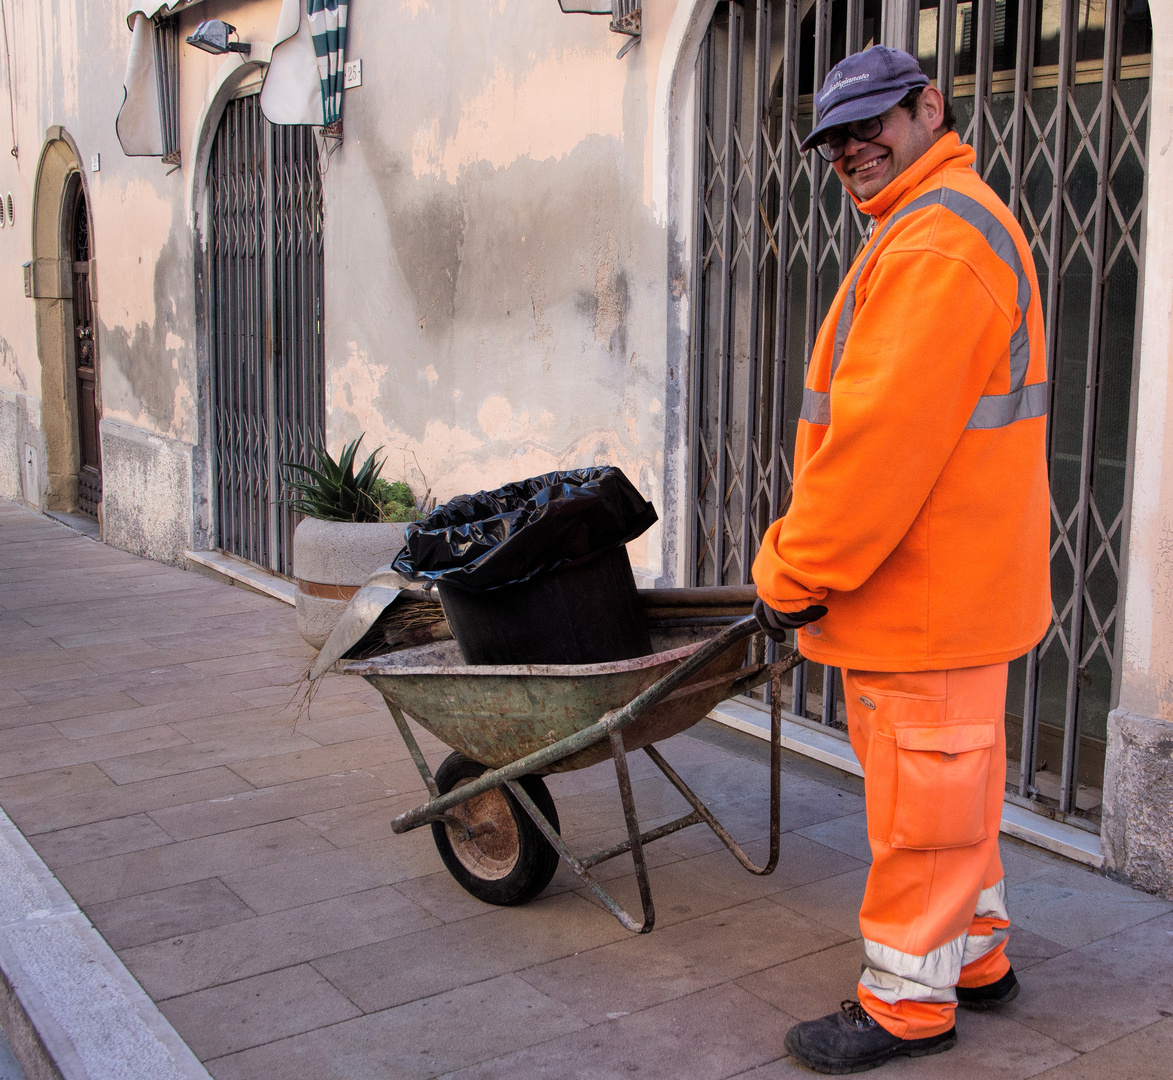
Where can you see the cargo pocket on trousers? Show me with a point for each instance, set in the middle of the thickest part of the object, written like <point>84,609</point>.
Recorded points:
<point>942,773</point>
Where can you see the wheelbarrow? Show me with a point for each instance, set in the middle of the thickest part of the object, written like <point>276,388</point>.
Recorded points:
<point>493,820</point>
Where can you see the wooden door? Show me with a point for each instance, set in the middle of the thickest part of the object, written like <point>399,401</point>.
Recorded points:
<point>89,476</point>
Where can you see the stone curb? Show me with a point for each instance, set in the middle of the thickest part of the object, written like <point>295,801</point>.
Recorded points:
<point>222,567</point>
<point>69,1007</point>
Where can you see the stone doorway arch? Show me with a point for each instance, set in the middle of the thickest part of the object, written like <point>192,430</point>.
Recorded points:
<point>60,190</point>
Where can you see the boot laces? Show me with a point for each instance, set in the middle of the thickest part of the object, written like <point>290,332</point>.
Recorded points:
<point>858,1015</point>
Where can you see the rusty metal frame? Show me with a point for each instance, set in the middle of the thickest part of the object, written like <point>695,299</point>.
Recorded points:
<point>610,727</point>
<point>166,46</point>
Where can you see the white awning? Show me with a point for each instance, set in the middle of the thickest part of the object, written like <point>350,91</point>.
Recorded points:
<point>151,8</point>
<point>138,125</point>
<point>292,91</point>
<point>304,82</point>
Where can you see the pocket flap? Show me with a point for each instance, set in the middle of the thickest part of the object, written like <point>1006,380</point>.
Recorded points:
<point>950,739</point>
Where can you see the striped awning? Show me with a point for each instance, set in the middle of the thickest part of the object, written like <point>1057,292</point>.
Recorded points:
<point>328,25</point>
<point>304,81</point>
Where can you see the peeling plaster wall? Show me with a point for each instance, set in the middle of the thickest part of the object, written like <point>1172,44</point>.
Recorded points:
<point>146,310</point>
<point>148,493</point>
<point>496,255</point>
<point>21,471</point>
<point>20,376</point>
<point>495,266</point>
<point>496,261</point>
<point>68,62</point>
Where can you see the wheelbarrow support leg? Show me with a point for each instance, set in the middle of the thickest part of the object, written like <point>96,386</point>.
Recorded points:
<point>633,831</point>
<point>571,860</point>
<point>413,748</point>
<point>706,815</point>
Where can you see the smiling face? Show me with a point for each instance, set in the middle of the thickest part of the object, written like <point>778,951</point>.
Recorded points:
<point>866,168</point>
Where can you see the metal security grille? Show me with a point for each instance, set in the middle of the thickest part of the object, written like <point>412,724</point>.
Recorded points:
<point>1054,96</point>
<point>265,316</point>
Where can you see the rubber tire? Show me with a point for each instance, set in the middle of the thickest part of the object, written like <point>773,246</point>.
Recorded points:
<point>536,858</point>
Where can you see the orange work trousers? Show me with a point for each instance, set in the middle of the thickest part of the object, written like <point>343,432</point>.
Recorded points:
<point>933,748</point>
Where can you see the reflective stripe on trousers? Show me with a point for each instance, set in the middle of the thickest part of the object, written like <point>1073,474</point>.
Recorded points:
<point>934,911</point>
<point>992,410</point>
<point>991,909</point>
<point>892,975</point>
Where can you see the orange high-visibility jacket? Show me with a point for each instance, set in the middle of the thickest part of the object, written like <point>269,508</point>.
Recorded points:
<point>920,513</point>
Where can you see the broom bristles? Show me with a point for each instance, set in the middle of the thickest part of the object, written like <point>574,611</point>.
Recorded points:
<point>410,620</point>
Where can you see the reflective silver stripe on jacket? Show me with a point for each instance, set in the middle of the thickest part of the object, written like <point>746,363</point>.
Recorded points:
<point>816,406</point>
<point>992,410</point>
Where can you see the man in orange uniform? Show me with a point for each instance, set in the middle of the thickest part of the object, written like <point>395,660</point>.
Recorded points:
<point>914,553</point>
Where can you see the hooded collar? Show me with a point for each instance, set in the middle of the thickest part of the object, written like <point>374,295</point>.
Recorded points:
<point>948,152</point>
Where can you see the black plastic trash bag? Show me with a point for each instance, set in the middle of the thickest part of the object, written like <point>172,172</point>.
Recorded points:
<point>525,529</point>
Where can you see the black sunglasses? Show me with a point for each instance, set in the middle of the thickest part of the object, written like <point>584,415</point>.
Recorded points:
<point>835,140</point>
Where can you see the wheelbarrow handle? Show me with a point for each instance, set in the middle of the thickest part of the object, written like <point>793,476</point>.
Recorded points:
<point>661,688</point>
<point>612,722</point>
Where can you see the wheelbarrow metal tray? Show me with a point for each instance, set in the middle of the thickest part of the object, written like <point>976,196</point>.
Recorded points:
<point>497,714</point>
<point>510,723</point>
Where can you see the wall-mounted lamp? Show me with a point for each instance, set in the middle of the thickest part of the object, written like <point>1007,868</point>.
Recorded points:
<point>212,36</point>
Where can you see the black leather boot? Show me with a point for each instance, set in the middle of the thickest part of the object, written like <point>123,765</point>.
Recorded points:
<point>989,996</point>
<point>851,1041</point>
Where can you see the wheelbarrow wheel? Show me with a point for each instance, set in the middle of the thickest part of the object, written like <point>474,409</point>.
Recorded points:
<point>507,861</point>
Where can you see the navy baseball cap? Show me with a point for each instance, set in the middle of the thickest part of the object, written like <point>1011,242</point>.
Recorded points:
<point>863,85</point>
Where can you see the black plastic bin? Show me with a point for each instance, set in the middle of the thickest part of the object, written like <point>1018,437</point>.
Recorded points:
<point>536,572</point>
<point>587,613</point>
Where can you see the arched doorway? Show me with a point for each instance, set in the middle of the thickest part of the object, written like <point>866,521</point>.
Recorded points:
<point>1054,97</point>
<point>265,298</point>
<point>67,339</point>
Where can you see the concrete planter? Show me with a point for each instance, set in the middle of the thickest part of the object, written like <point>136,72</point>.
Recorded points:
<point>332,560</point>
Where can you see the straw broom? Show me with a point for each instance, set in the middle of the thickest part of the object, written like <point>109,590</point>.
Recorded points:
<point>412,619</point>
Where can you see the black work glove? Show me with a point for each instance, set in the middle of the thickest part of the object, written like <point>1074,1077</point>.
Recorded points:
<point>775,623</point>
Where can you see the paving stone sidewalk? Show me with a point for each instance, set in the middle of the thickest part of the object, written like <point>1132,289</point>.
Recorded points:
<point>238,857</point>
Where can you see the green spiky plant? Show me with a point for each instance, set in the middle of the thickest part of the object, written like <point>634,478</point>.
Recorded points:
<point>333,491</point>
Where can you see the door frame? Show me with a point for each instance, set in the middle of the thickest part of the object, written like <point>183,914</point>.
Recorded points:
<point>59,172</point>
